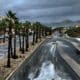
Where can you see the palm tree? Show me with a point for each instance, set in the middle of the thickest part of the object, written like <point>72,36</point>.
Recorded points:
<point>37,24</point>
<point>45,29</point>
<point>19,33</point>
<point>15,30</point>
<point>34,33</point>
<point>10,23</point>
<point>39,31</point>
<point>23,35</point>
<point>27,25</point>
<point>42,31</point>
<point>50,31</point>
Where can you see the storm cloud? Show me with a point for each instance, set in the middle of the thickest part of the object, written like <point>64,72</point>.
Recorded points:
<point>45,11</point>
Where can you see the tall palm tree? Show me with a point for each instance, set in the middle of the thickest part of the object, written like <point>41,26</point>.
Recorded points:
<point>19,33</point>
<point>23,37</point>
<point>10,23</point>
<point>34,33</point>
<point>42,31</point>
<point>39,30</point>
<point>15,30</point>
<point>37,24</point>
<point>50,30</point>
<point>45,31</point>
<point>27,26</point>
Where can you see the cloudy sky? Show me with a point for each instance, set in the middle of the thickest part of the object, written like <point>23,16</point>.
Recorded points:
<point>46,11</point>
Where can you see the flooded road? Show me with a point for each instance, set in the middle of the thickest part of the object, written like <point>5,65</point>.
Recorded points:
<point>43,65</point>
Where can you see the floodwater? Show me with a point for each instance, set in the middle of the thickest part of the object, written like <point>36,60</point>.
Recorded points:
<point>46,67</point>
<point>43,65</point>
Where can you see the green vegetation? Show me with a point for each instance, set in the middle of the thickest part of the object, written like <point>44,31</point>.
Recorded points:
<point>13,27</point>
<point>73,32</point>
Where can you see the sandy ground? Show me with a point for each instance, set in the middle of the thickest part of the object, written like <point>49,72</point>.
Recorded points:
<point>4,71</point>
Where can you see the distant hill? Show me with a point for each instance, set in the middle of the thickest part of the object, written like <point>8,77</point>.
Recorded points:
<point>65,23</point>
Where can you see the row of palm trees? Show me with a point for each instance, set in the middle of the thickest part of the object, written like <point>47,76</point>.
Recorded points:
<point>16,28</point>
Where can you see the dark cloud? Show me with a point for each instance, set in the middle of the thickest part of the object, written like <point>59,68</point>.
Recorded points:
<point>42,10</point>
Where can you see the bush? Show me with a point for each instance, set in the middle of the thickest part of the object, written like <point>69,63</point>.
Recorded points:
<point>73,32</point>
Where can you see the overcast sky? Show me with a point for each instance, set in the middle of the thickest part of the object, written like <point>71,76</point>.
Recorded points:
<point>46,11</point>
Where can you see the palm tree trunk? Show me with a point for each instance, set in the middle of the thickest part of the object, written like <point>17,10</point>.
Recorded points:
<point>19,41</point>
<point>36,36</point>
<point>27,40</point>
<point>9,47</point>
<point>4,37</point>
<point>45,32</point>
<point>15,56</point>
<point>8,61</point>
<point>50,31</point>
<point>40,34</point>
<point>33,38</point>
<point>23,43</point>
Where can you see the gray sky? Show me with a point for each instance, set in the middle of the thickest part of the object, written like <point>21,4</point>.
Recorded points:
<point>46,11</point>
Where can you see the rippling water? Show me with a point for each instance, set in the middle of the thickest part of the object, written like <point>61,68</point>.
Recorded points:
<point>48,69</point>
<point>47,72</point>
<point>43,65</point>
